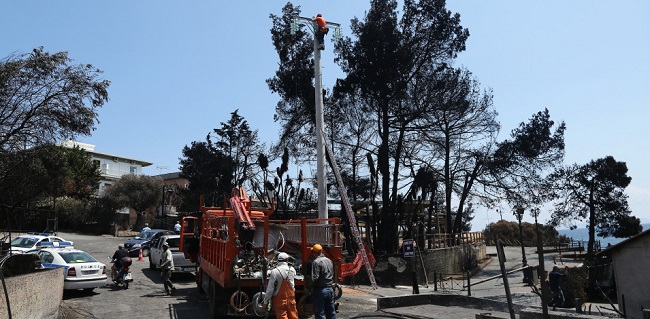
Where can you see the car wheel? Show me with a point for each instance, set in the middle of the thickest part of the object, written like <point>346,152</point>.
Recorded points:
<point>145,252</point>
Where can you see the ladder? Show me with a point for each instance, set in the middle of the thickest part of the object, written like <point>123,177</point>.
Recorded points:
<point>346,204</point>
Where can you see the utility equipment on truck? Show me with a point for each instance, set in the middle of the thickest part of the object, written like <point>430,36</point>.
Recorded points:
<point>237,247</point>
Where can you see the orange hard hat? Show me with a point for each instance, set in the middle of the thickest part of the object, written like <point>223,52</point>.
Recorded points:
<point>316,248</point>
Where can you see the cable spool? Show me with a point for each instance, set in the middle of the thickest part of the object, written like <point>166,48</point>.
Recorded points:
<point>239,301</point>
<point>258,304</point>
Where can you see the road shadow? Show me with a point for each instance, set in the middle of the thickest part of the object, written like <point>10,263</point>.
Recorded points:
<point>79,293</point>
<point>155,276</point>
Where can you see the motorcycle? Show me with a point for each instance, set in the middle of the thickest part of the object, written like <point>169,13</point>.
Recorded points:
<point>124,277</point>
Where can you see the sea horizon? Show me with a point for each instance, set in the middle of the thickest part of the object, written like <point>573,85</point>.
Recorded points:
<point>582,234</point>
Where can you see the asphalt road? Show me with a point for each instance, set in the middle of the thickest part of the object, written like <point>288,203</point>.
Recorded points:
<point>145,297</point>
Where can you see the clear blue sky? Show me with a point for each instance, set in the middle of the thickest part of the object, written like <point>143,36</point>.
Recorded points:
<point>178,68</point>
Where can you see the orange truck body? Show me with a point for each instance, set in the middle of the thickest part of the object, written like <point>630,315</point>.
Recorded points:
<point>237,231</point>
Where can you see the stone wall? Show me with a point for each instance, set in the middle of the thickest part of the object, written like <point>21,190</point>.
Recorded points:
<point>36,295</point>
<point>453,261</point>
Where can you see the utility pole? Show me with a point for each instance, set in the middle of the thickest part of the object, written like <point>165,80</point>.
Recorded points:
<point>321,171</point>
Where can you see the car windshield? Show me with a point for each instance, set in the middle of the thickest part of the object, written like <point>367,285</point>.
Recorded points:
<point>145,235</point>
<point>24,242</point>
<point>77,257</point>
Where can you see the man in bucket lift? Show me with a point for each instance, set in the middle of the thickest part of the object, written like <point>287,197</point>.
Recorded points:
<point>321,31</point>
<point>282,290</point>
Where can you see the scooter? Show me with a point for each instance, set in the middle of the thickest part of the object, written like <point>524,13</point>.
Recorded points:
<point>125,273</point>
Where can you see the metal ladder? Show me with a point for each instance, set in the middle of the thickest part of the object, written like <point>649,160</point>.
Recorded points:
<point>346,204</point>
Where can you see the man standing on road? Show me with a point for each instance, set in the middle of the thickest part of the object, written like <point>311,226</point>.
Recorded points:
<point>281,289</point>
<point>554,278</point>
<point>167,266</point>
<point>177,227</point>
<point>146,227</point>
<point>322,276</point>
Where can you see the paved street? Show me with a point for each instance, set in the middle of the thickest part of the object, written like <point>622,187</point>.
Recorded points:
<point>145,297</point>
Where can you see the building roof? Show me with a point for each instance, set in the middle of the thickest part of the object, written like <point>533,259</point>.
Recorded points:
<point>624,243</point>
<point>168,176</point>
<point>90,148</point>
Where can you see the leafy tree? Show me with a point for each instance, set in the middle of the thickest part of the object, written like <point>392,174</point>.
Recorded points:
<point>45,99</point>
<point>459,134</point>
<point>236,140</point>
<point>596,192</point>
<point>382,67</point>
<point>209,173</point>
<point>140,192</point>
<point>521,166</point>
<point>293,82</point>
<point>38,176</point>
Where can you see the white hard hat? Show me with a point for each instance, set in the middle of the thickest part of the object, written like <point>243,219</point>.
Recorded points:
<point>283,256</point>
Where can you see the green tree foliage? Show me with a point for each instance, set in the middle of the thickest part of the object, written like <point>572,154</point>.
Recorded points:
<point>141,192</point>
<point>45,99</point>
<point>38,176</point>
<point>383,65</point>
<point>209,174</point>
<point>521,165</point>
<point>237,141</point>
<point>293,82</point>
<point>595,193</point>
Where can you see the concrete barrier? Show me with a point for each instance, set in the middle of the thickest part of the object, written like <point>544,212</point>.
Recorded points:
<point>36,295</point>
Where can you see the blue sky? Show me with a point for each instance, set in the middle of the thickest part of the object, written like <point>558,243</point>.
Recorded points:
<point>178,68</point>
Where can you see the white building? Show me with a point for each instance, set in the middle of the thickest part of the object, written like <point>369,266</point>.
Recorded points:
<point>112,167</point>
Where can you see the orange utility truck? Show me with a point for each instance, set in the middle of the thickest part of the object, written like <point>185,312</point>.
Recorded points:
<point>237,247</point>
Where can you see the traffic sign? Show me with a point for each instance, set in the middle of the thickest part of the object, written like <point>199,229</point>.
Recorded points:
<point>407,247</point>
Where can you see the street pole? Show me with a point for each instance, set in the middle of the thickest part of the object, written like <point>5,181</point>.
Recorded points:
<point>321,176</point>
<point>321,172</point>
<point>520,214</point>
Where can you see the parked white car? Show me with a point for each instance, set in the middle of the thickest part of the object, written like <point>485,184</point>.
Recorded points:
<point>30,241</point>
<point>182,262</point>
<point>81,270</point>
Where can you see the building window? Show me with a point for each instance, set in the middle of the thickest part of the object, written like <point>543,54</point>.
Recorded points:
<point>133,170</point>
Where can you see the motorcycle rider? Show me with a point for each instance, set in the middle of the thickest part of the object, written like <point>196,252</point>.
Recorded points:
<point>117,261</point>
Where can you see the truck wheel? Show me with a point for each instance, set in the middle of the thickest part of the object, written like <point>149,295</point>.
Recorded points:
<point>304,307</point>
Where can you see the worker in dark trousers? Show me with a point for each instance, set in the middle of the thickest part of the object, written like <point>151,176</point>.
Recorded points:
<point>322,292</point>
<point>554,278</point>
<point>321,31</point>
<point>167,267</point>
<point>281,289</point>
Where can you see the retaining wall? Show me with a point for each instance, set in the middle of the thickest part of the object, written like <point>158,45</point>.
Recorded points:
<point>36,295</point>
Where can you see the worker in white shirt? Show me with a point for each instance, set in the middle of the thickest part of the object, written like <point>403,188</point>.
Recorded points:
<point>281,289</point>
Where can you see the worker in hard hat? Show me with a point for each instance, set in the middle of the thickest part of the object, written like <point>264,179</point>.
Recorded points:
<point>281,289</point>
<point>321,30</point>
<point>322,292</point>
